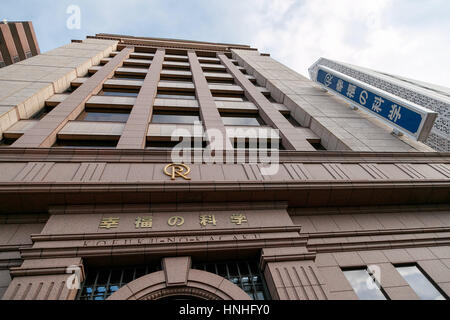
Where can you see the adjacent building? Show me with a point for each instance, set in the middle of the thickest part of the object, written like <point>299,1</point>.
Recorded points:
<point>17,42</point>
<point>280,190</point>
<point>433,97</point>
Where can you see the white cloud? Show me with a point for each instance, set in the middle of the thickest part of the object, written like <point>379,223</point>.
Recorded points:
<point>364,33</point>
<point>406,37</point>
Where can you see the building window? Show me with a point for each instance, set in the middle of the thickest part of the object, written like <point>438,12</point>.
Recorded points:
<point>135,66</point>
<point>218,81</point>
<point>6,142</point>
<point>119,93</point>
<point>169,145</point>
<point>365,285</point>
<point>241,120</point>
<point>234,99</point>
<point>41,113</point>
<point>173,95</point>
<point>317,145</point>
<point>100,284</point>
<point>419,282</point>
<point>244,274</point>
<point>259,144</point>
<point>176,78</point>
<point>124,77</point>
<point>229,97</point>
<point>292,120</point>
<point>175,117</point>
<point>71,89</point>
<point>85,144</point>
<point>102,116</point>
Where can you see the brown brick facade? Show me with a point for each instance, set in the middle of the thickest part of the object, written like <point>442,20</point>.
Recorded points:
<point>81,196</point>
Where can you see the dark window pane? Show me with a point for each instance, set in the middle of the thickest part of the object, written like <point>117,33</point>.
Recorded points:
<point>41,113</point>
<point>235,280</point>
<point>162,144</point>
<point>250,280</point>
<point>109,280</point>
<point>419,283</point>
<point>120,93</point>
<point>260,295</point>
<point>243,268</point>
<point>318,146</point>
<point>102,277</point>
<point>140,272</point>
<point>135,66</point>
<point>175,118</point>
<point>85,144</point>
<point>211,268</point>
<point>90,278</point>
<point>232,269</point>
<point>175,96</point>
<point>229,99</point>
<point>115,276</point>
<point>292,120</point>
<point>222,270</point>
<point>128,78</point>
<point>104,116</point>
<point>254,267</point>
<point>128,275</point>
<point>364,286</point>
<point>87,291</point>
<point>240,121</point>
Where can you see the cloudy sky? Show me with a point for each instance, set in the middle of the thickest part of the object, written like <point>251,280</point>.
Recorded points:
<point>404,37</point>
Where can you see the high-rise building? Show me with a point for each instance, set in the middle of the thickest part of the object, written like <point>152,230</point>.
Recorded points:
<point>281,190</point>
<point>17,42</point>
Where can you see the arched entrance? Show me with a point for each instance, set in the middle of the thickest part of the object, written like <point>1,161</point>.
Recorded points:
<point>179,281</point>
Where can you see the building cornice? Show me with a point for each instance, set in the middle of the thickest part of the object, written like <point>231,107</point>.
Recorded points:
<point>162,156</point>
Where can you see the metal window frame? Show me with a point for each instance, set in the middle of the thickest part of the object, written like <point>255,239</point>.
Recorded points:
<point>123,270</point>
<point>250,273</point>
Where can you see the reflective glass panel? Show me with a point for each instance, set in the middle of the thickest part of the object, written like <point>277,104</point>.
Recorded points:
<point>364,286</point>
<point>120,93</point>
<point>175,118</point>
<point>244,274</point>
<point>105,116</point>
<point>228,99</point>
<point>419,283</point>
<point>240,121</point>
<point>175,96</point>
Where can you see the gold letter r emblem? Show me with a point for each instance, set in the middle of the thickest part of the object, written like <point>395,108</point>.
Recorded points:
<point>177,171</point>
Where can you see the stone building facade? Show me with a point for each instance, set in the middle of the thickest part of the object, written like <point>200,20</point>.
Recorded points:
<point>94,206</point>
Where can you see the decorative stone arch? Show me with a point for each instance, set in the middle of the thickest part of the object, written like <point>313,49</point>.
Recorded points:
<point>178,279</point>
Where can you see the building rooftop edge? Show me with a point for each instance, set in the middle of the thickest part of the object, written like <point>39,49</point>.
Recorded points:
<point>180,41</point>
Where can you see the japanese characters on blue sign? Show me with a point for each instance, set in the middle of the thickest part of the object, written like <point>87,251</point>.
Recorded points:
<point>400,115</point>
